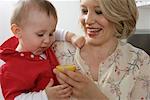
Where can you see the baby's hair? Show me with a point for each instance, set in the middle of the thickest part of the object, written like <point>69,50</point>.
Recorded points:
<point>23,8</point>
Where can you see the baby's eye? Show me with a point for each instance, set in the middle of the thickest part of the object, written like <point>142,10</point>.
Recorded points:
<point>84,11</point>
<point>40,35</point>
<point>98,12</point>
<point>51,34</point>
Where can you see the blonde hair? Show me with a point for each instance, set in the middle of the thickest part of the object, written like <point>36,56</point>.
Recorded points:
<point>123,13</point>
<point>23,7</point>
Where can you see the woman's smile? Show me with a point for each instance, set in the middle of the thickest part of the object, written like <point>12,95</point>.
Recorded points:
<point>92,32</point>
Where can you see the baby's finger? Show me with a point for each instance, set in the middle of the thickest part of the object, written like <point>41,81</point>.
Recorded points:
<point>79,42</point>
<point>67,95</point>
<point>65,92</point>
<point>60,87</point>
<point>50,84</point>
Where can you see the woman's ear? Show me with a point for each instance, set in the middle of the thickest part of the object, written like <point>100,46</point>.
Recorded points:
<point>16,30</point>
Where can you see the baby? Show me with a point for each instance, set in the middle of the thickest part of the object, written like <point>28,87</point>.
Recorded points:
<point>29,60</point>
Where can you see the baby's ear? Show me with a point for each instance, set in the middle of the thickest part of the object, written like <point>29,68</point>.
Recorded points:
<point>78,41</point>
<point>16,30</point>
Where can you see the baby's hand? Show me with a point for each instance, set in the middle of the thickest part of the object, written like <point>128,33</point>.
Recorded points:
<point>58,92</point>
<point>78,41</point>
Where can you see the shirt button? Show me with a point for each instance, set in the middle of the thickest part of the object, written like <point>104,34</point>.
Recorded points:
<point>21,54</point>
<point>32,56</point>
<point>1,51</point>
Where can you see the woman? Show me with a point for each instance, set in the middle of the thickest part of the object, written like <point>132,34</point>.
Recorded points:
<point>111,69</point>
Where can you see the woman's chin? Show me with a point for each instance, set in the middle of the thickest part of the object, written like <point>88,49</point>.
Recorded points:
<point>93,42</point>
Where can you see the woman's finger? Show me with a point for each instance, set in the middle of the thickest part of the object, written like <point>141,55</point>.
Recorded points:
<point>60,80</point>
<point>66,78</point>
<point>77,76</point>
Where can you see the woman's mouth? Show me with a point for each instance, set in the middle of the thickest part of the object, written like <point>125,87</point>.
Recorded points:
<point>92,32</point>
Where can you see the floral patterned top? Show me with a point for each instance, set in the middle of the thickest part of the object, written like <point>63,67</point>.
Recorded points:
<point>124,75</point>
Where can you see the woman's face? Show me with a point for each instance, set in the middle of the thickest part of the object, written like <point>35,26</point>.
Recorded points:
<point>97,28</point>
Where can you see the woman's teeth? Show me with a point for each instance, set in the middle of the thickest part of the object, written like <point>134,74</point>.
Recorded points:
<point>93,30</point>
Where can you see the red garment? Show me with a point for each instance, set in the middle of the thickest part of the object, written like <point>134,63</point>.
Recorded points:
<point>24,72</point>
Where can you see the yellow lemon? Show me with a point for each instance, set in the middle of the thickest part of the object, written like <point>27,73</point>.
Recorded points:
<point>67,67</point>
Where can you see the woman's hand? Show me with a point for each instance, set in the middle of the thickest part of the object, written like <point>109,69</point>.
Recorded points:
<point>82,87</point>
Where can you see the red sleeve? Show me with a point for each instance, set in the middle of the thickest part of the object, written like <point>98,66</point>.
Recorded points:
<point>10,84</point>
<point>54,62</point>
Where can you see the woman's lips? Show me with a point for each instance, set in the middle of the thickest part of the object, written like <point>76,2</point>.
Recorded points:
<point>93,31</point>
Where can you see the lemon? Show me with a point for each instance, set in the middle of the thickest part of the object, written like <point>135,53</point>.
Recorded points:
<point>67,67</point>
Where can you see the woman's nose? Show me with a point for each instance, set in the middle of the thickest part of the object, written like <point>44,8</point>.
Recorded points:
<point>89,18</point>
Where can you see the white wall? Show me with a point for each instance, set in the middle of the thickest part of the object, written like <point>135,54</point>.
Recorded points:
<point>68,13</point>
<point>144,18</point>
<point>5,13</point>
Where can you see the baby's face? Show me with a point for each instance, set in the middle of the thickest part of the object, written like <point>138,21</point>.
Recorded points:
<point>38,32</point>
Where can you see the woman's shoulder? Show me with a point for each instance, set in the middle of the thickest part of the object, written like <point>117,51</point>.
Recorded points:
<point>132,52</point>
<point>131,49</point>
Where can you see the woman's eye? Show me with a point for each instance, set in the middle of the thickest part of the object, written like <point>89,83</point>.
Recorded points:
<point>98,12</point>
